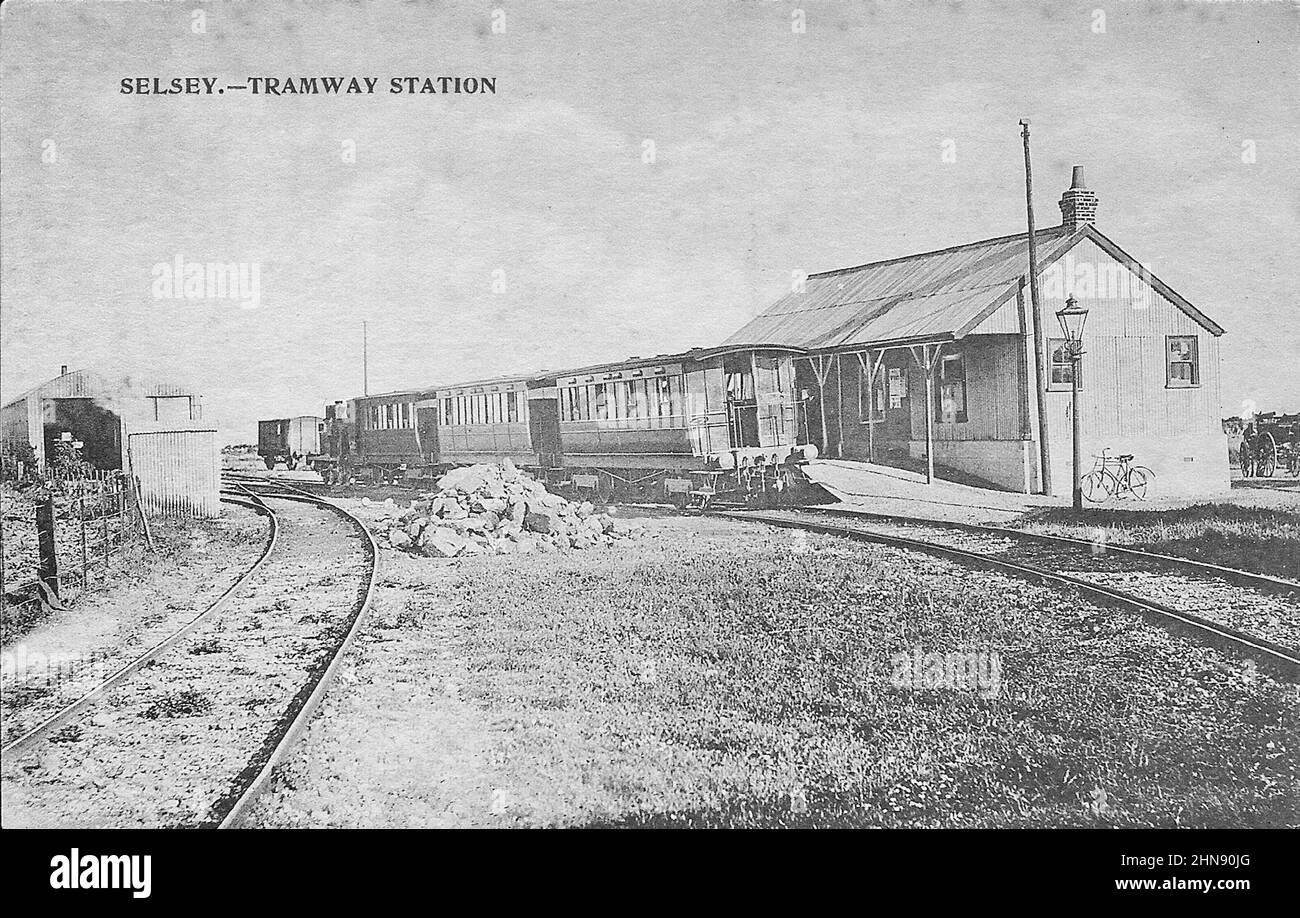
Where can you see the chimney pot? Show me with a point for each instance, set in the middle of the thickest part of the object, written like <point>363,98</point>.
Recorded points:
<point>1078,204</point>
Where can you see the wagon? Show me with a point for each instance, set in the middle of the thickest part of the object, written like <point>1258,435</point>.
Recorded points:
<point>1269,442</point>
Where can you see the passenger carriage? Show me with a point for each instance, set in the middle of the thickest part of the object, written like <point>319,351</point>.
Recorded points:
<point>685,427</point>
<point>391,438</point>
<point>682,427</point>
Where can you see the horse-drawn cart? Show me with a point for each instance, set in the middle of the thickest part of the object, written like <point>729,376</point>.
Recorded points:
<point>1269,442</point>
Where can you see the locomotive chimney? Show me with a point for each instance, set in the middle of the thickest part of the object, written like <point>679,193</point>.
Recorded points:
<point>63,370</point>
<point>1078,204</point>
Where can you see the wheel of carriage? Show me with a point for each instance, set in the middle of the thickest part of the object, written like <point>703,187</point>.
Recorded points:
<point>1293,462</point>
<point>1267,456</point>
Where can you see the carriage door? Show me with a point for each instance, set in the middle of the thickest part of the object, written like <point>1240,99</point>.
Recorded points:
<point>772,404</point>
<point>544,428</point>
<point>742,402</point>
<point>426,429</point>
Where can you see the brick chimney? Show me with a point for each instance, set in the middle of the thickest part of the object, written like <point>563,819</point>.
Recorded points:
<point>1078,204</point>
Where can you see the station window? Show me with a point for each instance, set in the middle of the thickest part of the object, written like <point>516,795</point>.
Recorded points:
<point>1062,375</point>
<point>1182,366</point>
<point>951,407</point>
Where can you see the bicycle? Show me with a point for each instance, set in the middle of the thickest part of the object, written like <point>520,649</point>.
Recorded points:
<point>1114,476</point>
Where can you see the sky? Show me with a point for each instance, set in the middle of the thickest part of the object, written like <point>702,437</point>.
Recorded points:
<point>646,178</point>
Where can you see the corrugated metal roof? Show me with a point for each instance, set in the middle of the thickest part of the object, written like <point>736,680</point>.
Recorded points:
<point>930,295</point>
<point>91,384</point>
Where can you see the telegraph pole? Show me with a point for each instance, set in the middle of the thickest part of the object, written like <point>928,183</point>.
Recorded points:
<point>1040,375</point>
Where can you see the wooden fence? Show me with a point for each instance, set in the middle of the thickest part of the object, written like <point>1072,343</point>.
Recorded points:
<point>80,526</point>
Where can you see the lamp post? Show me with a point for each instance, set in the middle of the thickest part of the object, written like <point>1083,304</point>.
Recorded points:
<point>1072,318</point>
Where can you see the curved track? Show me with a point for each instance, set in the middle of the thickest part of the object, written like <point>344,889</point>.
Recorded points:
<point>1228,608</point>
<point>250,687</point>
<point>293,728</point>
<point>65,714</point>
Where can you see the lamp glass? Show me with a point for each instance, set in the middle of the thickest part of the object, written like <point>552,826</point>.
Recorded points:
<point>1072,319</point>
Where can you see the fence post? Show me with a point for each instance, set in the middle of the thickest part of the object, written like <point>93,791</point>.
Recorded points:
<point>48,569</point>
<point>85,562</point>
<point>103,520</point>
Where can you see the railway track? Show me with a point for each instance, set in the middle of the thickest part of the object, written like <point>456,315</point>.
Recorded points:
<point>1248,614</point>
<point>189,732</point>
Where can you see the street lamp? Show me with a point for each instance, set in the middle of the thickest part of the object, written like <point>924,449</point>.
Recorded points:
<point>1072,319</point>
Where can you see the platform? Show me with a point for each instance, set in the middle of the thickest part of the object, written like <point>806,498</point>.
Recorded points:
<point>884,489</point>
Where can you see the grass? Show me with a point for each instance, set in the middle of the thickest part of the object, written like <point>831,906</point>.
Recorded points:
<point>737,677</point>
<point>1265,541</point>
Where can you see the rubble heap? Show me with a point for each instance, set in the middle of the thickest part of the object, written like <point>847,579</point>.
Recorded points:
<point>493,509</point>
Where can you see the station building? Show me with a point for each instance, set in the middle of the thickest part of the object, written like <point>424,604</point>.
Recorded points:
<point>940,347</point>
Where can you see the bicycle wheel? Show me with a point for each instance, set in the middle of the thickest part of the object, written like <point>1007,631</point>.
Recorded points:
<point>1138,479</point>
<point>1094,486</point>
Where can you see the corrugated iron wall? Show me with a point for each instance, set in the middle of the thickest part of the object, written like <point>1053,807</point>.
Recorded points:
<point>179,471</point>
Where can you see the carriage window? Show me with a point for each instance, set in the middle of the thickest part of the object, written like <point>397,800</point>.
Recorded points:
<point>663,396</point>
<point>1182,368</point>
<point>1062,370</point>
<point>740,386</point>
<point>951,408</point>
<point>512,407</point>
<point>600,403</point>
<point>635,398</point>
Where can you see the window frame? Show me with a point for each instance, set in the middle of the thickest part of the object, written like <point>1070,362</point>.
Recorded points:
<point>1194,363</point>
<point>1053,345</point>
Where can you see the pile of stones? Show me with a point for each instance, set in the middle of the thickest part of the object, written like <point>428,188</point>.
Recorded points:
<point>493,509</point>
